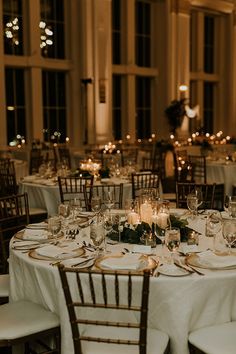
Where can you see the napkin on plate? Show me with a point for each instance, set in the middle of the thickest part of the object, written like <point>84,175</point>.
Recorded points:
<point>35,234</point>
<point>212,260</point>
<point>53,251</point>
<point>24,244</point>
<point>38,226</point>
<point>128,262</point>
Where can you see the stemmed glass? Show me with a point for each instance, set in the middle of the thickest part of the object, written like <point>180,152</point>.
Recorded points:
<point>109,199</point>
<point>64,210</point>
<point>96,204</point>
<point>172,241</point>
<point>226,203</point>
<point>229,232</point>
<point>199,196</point>
<point>161,221</point>
<point>76,206</point>
<point>97,236</point>
<point>54,226</point>
<point>192,204</point>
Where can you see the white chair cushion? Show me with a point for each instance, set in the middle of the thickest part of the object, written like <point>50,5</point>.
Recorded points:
<point>218,339</point>
<point>21,318</point>
<point>156,341</point>
<point>4,285</point>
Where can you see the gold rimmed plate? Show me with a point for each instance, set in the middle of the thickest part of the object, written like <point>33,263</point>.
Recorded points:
<point>145,263</point>
<point>172,271</point>
<point>20,236</point>
<point>73,254</point>
<point>211,262</point>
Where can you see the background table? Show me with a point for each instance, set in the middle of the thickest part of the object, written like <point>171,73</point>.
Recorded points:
<point>218,172</point>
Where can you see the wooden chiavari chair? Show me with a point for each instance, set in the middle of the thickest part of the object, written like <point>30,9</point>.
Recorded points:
<point>100,191</point>
<point>95,305</point>
<point>142,180</point>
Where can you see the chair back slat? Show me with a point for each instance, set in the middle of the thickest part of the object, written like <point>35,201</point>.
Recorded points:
<point>146,181</point>
<point>213,194</point>
<point>100,299</point>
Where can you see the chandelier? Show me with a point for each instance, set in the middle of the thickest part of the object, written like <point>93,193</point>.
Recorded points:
<point>45,36</point>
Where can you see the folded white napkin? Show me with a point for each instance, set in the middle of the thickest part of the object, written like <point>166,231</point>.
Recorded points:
<point>212,260</point>
<point>142,249</point>
<point>38,226</point>
<point>34,234</point>
<point>23,244</point>
<point>55,252</point>
<point>127,262</point>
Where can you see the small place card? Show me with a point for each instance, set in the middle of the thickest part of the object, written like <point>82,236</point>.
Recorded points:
<point>142,249</point>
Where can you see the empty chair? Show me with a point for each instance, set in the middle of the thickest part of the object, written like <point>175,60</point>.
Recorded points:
<point>8,184</point>
<point>210,198</point>
<point>24,322</point>
<point>73,187</point>
<point>14,216</point>
<point>101,190</point>
<point>36,160</point>
<point>144,180</point>
<point>64,156</point>
<point>215,339</point>
<point>198,164</point>
<point>109,312</point>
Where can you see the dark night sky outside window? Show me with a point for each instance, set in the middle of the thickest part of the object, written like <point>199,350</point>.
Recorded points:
<point>52,12</point>
<point>116,32</point>
<point>13,9</point>
<point>117,107</point>
<point>209,44</point>
<point>15,102</point>
<point>208,106</point>
<point>54,104</point>
<point>143,33</point>
<point>143,107</point>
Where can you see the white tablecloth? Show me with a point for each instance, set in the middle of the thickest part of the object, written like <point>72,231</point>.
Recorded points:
<point>218,172</point>
<point>177,305</point>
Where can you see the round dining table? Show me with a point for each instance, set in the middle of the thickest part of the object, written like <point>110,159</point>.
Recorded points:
<point>222,172</point>
<point>177,304</point>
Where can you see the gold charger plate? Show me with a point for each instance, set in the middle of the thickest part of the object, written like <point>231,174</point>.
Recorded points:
<point>149,263</point>
<point>33,254</point>
<point>20,236</point>
<point>195,261</point>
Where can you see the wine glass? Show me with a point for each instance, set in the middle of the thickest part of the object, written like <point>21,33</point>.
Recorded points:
<point>109,199</point>
<point>76,206</point>
<point>192,204</point>
<point>54,226</point>
<point>172,241</point>
<point>226,203</point>
<point>109,220</point>
<point>229,232</point>
<point>213,223</point>
<point>64,210</point>
<point>97,236</point>
<point>198,193</point>
<point>96,204</point>
<point>160,222</point>
<point>232,207</point>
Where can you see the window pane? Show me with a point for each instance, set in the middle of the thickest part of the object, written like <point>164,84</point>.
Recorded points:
<point>54,106</point>
<point>116,32</point>
<point>209,44</point>
<point>208,111</point>
<point>117,107</point>
<point>143,33</point>
<point>13,27</point>
<point>143,107</point>
<point>15,103</point>
<point>52,28</point>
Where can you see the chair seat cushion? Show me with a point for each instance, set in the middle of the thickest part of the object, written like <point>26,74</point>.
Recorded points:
<point>23,318</point>
<point>218,339</point>
<point>4,285</point>
<point>157,341</point>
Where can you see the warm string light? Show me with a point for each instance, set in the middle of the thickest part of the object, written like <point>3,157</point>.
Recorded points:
<point>12,33</point>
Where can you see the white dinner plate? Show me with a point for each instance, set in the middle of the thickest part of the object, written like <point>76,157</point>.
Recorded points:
<point>168,270</point>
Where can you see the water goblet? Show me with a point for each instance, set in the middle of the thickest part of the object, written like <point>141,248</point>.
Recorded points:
<point>232,206</point>
<point>54,226</point>
<point>97,236</point>
<point>172,241</point>
<point>96,204</point>
<point>109,199</point>
<point>160,222</point>
<point>192,204</point>
<point>76,206</point>
<point>229,232</point>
